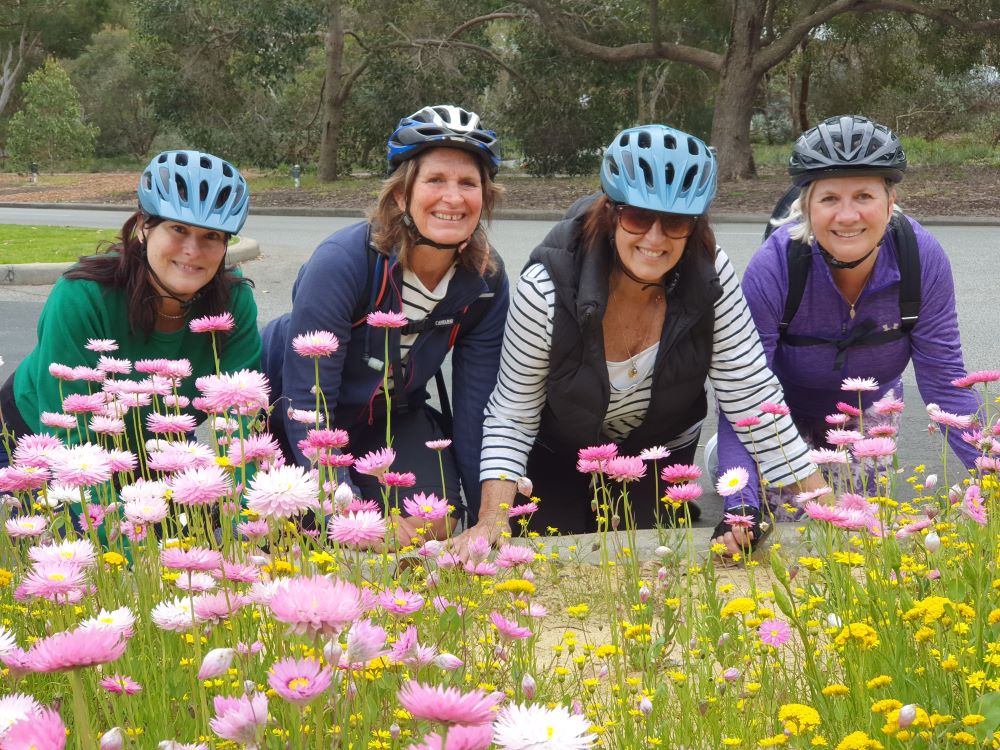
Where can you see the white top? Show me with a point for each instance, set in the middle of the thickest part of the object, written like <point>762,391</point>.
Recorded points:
<point>738,373</point>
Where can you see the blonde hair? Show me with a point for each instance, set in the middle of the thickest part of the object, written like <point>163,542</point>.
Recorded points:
<point>801,230</point>
<point>389,231</point>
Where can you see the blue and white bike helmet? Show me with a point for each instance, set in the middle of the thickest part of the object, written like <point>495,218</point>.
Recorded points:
<point>659,168</point>
<point>443,125</point>
<point>195,188</point>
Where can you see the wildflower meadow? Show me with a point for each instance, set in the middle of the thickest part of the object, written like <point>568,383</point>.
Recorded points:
<point>170,593</point>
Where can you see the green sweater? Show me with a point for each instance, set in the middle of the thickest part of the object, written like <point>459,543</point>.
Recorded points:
<point>78,310</point>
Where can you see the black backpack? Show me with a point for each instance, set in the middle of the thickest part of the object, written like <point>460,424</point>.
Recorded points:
<point>799,258</point>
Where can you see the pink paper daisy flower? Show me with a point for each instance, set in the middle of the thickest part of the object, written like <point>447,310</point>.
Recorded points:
<point>15,707</point>
<point>655,453</point>
<point>843,437</point>
<point>598,452</point>
<point>955,421</point>
<point>836,420</point>
<point>316,605</point>
<point>75,648</point>
<point>375,463</point>
<point>625,468</point>
<point>683,493</point>
<point>23,526</point>
<point>195,558</point>
<point>880,447</point>
<point>79,552</point>
<point>82,466</point>
<point>120,685</point>
<point>509,629</point>
<point>400,602</point>
<point>254,448</point>
<point>365,642</point>
<point>222,323</point>
<point>448,705</point>
<point>107,425</point>
<point>774,632</point>
<point>200,486</point>
<point>113,366</point>
<point>103,346</point>
<point>61,372</point>
<point>241,719</point>
<point>680,473</point>
<point>848,409</point>
<point>399,479</point>
<point>326,439</point>
<point>458,737</point>
<point>775,410</point>
<point>859,385</point>
<point>42,728</point>
<point>175,424</point>
<point>216,608</point>
<point>888,405</point>
<point>752,421</point>
<point>282,492</point>
<point>428,507</point>
<point>83,403</point>
<point>380,319</point>
<point>522,510</point>
<point>315,344</point>
<point>58,421</point>
<point>245,390</point>
<point>55,581</point>
<point>299,681</point>
<point>512,556</point>
<point>438,445</point>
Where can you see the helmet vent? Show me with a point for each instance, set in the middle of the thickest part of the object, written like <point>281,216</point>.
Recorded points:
<point>612,166</point>
<point>623,141</point>
<point>644,140</point>
<point>669,174</point>
<point>181,159</point>
<point>647,172</point>
<point>202,191</point>
<point>164,180</point>
<point>689,178</point>
<point>669,141</point>
<point>239,194</point>
<point>182,189</point>
<point>223,196</point>
<point>227,170</point>
<point>628,165</point>
<point>693,147</point>
<point>147,180</point>
<point>205,163</point>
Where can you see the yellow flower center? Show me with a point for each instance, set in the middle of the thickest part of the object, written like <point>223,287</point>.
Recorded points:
<point>298,683</point>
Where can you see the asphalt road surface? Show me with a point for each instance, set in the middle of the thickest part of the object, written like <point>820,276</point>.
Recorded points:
<point>286,241</point>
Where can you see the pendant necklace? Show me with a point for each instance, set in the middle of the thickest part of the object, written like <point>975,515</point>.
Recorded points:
<point>184,315</point>
<point>633,370</point>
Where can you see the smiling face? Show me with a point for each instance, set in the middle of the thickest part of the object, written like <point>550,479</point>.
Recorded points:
<point>849,214</point>
<point>447,196</point>
<point>648,256</point>
<point>184,257</point>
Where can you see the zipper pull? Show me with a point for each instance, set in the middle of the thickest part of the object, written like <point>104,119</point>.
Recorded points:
<point>852,312</point>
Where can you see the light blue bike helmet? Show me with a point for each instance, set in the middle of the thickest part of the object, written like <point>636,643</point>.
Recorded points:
<point>195,188</point>
<point>659,168</point>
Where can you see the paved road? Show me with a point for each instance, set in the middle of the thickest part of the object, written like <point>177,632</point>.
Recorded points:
<point>287,241</point>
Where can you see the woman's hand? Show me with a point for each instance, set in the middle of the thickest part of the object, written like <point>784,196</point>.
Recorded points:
<point>497,497</point>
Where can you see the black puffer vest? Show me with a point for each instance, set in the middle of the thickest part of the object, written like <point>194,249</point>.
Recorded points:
<point>578,387</point>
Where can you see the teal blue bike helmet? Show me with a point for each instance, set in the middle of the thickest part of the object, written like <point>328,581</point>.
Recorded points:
<point>659,168</point>
<point>195,188</point>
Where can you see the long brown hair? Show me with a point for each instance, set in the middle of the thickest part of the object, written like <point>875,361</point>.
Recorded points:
<point>389,231</point>
<point>600,223</point>
<point>123,265</point>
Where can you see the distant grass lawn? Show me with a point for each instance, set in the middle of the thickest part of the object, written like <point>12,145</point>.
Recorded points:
<point>27,244</point>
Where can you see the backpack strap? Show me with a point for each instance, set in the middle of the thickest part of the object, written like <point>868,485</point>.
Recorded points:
<point>909,272</point>
<point>377,282</point>
<point>799,258</point>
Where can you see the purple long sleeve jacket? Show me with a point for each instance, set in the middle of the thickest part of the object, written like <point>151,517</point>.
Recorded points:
<point>807,374</point>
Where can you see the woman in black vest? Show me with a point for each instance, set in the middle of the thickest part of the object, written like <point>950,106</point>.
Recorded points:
<point>621,315</point>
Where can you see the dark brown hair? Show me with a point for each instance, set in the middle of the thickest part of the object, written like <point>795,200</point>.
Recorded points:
<point>600,223</point>
<point>123,265</point>
<point>388,230</point>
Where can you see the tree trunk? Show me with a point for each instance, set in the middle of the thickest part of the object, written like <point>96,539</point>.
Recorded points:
<point>739,82</point>
<point>334,95</point>
<point>803,111</point>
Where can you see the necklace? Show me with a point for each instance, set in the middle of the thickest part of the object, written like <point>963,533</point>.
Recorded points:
<point>633,370</point>
<point>184,315</point>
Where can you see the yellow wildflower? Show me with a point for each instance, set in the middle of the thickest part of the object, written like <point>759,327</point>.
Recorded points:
<point>858,634</point>
<point>731,741</point>
<point>578,610</point>
<point>835,690</point>
<point>113,559</point>
<point>5,577</point>
<point>606,650</point>
<point>818,741</point>
<point>859,741</point>
<point>798,717</point>
<point>878,682</point>
<point>970,720</point>
<point>848,558</point>
<point>739,606</point>
<point>811,563</point>
<point>516,586</point>
<point>774,741</point>
<point>886,705</point>
<point>962,738</point>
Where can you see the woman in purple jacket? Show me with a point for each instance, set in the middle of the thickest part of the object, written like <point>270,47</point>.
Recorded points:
<point>862,314</point>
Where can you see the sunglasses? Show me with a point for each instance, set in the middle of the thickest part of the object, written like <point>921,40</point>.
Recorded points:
<point>640,220</point>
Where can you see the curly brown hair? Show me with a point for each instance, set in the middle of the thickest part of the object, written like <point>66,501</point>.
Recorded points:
<point>389,231</point>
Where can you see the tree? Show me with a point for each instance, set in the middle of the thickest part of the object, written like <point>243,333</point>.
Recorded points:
<point>747,39</point>
<point>30,29</point>
<point>49,129</point>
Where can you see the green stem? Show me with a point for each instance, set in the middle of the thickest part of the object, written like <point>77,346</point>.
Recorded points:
<point>81,716</point>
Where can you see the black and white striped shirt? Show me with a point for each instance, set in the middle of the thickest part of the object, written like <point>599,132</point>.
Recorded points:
<point>738,373</point>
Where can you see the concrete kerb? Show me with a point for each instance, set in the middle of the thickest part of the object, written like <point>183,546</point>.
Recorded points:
<point>37,274</point>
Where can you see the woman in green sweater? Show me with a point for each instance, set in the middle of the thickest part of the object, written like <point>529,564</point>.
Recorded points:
<point>167,269</point>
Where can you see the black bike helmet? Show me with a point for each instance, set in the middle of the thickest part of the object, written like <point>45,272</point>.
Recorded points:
<point>443,125</point>
<point>846,146</point>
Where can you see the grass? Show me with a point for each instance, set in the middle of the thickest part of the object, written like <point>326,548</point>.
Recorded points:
<point>946,151</point>
<point>28,244</point>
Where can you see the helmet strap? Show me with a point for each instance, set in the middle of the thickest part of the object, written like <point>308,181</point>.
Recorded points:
<point>184,303</point>
<point>668,283</point>
<point>419,239</point>
<point>834,263</point>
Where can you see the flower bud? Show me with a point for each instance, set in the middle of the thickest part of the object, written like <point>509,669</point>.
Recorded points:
<point>524,486</point>
<point>332,652</point>
<point>615,521</point>
<point>644,593</point>
<point>723,639</point>
<point>216,662</point>
<point>833,620</point>
<point>603,672</point>
<point>113,739</point>
<point>433,578</point>
<point>249,687</point>
<point>448,662</point>
<point>528,575</point>
<point>930,482</point>
<point>661,575</point>
<point>906,715</point>
<point>731,675</point>
<point>577,707</point>
<point>662,552</point>
<point>645,705</point>
<point>593,505</point>
<point>395,731</point>
<point>932,542</point>
<point>343,495</point>
<point>431,548</point>
<point>528,687</point>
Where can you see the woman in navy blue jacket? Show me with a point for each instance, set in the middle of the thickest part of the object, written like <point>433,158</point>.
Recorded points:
<point>423,253</point>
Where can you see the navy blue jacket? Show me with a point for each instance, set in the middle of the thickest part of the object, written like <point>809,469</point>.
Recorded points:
<point>330,289</point>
